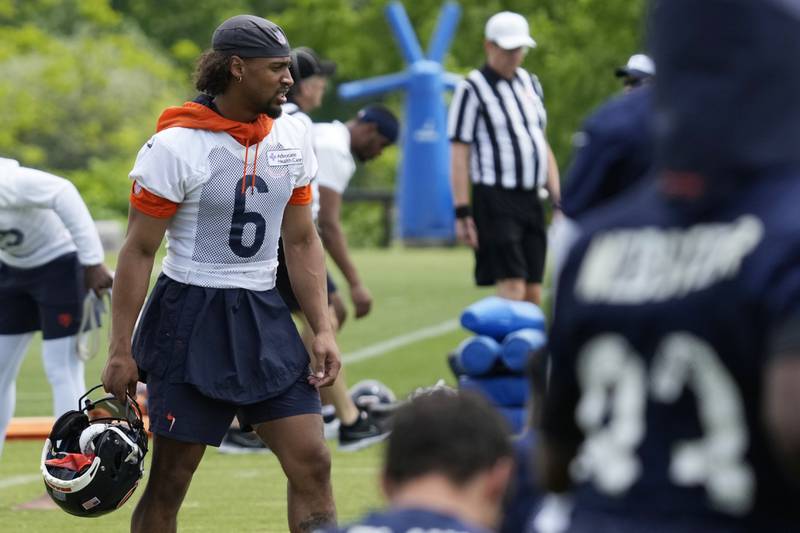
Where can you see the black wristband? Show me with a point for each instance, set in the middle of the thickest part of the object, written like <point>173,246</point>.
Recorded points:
<point>462,211</point>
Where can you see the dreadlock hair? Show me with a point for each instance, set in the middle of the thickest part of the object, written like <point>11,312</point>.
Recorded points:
<point>212,74</point>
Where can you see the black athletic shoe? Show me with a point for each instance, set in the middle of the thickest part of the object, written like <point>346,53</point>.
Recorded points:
<point>366,431</point>
<point>237,441</point>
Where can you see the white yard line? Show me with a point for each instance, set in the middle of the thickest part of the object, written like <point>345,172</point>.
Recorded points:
<point>33,396</point>
<point>380,348</point>
<point>362,354</point>
<point>14,481</point>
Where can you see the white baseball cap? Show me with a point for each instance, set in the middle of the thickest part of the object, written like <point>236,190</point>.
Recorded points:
<point>509,31</point>
<point>639,66</point>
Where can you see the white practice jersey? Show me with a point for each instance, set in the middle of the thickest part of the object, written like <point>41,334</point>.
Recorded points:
<point>290,108</point>
<point>43,217</point>
<point>221,236</point>
<point>336,163</point>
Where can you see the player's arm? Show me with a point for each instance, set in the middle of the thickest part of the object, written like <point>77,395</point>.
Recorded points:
<point>782,396</point>
<point>461,117</point>
<point>335,241</point>
<point>132,279</point>
<point>75,215</point>
<point>459,177</point>
<point>553,179</point>
<point>305,262</point>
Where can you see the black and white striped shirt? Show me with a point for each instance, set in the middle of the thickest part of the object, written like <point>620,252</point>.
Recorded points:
<point>503,121</point>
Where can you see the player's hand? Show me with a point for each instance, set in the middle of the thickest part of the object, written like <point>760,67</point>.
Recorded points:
<point>325,360</point>
<point>120,374</point>
<point>466,232</point>
<point>362,299</point>
<point>97,278</point>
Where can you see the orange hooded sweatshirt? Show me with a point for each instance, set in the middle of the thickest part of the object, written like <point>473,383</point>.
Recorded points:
<point>198,116</point>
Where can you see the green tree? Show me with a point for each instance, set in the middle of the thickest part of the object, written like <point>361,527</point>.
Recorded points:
<point>84,80</point>
<point>82,102</point>
<point>580,42</point>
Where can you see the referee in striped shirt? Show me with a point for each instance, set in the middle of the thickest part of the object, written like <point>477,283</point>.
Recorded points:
<point>496,127</point>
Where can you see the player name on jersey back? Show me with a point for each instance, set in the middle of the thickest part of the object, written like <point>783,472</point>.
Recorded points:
<point>636,266</point>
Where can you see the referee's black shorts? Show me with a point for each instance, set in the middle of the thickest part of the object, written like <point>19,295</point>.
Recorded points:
<point>512,241</point>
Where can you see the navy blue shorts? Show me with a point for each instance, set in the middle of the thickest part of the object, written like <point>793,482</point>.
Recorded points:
<point>179,411</point>
<point>284,286</point>
<point>234,345</point>
<point>47,298</point>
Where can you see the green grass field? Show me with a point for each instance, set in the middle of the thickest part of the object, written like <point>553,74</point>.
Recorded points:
<point>413,289</point>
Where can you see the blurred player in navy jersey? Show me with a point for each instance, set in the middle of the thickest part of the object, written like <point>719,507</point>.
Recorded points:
<point>447,465</point>
<point>613,152</point>
<point>638,71</point>
<point>675,378</point>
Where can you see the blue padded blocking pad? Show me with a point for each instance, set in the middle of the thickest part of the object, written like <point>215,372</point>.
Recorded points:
<point>497,317</point>
<point>518,347</point>
<point>478,355</point>
<point>503,391</point>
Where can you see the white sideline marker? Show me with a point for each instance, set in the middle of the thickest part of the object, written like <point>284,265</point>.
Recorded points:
<point>380,348</point>
<point>14,481</point>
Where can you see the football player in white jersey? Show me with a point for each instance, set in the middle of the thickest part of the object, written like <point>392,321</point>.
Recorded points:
<point>364,136</point>
<point>223,179</point>
<point>337,146</point>
<point>50,253</point>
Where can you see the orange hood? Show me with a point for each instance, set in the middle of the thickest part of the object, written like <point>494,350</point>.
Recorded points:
<point>197,116</point>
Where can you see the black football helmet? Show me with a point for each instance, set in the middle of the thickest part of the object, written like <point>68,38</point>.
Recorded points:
<point>94,457</point>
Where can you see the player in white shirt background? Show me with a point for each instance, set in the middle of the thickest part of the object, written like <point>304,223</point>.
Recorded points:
<point>50,253</point>
<point>335,145</point>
